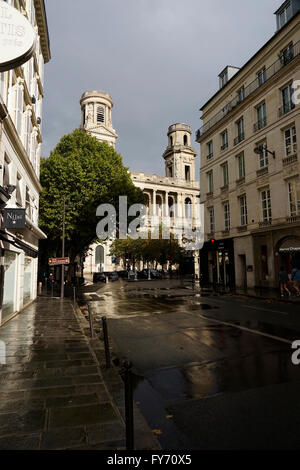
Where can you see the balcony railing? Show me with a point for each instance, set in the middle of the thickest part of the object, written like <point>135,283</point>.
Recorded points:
<point>265,223</point>
<point>239,138</point>
<point>262,171</point>
<point>293,219</point>
<point>289,160</point>
<point>286,108</point>
<point>270,72</point>
<point>209,156</point>
<point>260,124</point>
<point>224,146</point>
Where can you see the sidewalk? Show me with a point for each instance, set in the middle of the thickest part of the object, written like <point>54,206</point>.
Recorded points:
<point>54,390</point>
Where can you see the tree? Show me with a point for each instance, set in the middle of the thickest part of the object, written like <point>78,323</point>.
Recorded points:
<point>86,173</point>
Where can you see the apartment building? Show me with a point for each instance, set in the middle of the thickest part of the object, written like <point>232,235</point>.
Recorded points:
<point>21,96</point>
<point>249,174</point>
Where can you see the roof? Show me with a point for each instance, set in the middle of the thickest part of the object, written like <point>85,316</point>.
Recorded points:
<point>248,62</point>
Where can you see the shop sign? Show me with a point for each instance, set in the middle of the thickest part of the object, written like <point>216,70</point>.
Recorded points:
<point>14,218</point>
<point>58,261</point>
<point>17,38</point>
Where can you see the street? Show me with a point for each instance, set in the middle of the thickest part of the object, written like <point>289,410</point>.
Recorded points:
<point>211,372</point>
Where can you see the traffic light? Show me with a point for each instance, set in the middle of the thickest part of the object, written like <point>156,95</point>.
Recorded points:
<point>212,241</point>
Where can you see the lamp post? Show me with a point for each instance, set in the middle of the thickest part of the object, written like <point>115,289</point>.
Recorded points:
<point>62,288</point>
<point>261,148</point>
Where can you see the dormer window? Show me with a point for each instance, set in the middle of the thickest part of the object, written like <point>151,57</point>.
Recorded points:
<point>100,114</point>
<point>284,14</point>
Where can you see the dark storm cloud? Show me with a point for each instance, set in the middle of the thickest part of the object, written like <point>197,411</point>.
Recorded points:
<point>158,59</point>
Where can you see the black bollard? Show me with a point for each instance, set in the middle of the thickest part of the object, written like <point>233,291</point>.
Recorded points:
<point>106,343</point>
<point>129,406</point>
<point>91,320</point>
<point>52,285</point>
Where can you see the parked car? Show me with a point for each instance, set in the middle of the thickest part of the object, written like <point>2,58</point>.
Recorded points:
<point>113,277</point>
<point>99,277</point>
<point>154,274</point>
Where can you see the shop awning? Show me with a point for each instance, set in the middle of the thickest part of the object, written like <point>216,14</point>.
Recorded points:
<point>7,237</point>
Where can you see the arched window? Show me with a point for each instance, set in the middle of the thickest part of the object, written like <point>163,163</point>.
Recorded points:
<point>171,141</point>
<point>188,208</point>
<point>185,139</point>
<point>100,114</point>
<point>171,207</point>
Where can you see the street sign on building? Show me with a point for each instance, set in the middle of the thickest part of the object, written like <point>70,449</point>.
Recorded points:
<point>17,38</point>
<point>14,218</point>
<point>58,261</point>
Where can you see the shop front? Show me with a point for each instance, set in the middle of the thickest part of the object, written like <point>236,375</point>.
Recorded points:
<point>217,264</point>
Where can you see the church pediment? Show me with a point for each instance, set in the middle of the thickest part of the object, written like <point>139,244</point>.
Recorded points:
<point>102,130</point>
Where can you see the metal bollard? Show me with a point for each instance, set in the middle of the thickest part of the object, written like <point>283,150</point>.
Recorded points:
<point>106,342</point>
<point>52,288</point>
<point>40,287</point>
<point>74,295</point>
<point>91,320</point>
<point>129,406</point>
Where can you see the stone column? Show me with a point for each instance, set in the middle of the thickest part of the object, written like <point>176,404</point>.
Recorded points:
<point>154,202</point>
<point>167,204</point>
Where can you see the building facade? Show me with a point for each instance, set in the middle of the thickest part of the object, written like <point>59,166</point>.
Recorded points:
<point>177,191</point>
<point>250,165</point>
<point>21,95</point>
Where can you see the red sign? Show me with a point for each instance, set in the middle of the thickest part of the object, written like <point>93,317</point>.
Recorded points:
<point>57,261</point>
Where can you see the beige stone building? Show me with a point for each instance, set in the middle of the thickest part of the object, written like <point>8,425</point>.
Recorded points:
<point>21,97</point>
<point>178,189</point>
<point>250,166</point>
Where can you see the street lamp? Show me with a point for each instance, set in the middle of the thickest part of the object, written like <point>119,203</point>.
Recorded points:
<point>261,148</point>
<point>62,287</point>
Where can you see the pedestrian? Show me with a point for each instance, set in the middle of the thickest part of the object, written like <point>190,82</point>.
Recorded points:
<point>296,280</point>
<point>283,281</point>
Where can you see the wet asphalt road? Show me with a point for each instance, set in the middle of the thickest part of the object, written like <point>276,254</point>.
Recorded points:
<point>211,372</point>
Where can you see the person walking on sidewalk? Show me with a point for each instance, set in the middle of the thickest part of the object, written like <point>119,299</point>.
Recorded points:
<point>283,281</point>
<point>296,280</point>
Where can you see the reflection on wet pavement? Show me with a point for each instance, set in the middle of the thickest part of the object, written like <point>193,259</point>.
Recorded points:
<point>182,352</point>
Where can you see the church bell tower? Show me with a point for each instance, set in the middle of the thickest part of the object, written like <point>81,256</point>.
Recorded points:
<point>96,108</point>
<point>180,156</point>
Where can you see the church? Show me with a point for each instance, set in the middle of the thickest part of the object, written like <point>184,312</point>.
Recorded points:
<point>178,188</point>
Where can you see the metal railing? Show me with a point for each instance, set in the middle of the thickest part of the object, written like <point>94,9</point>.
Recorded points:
<point>280,63</point>
<point>286,108</point>
<point>260,124</point>
<point>239,138</point>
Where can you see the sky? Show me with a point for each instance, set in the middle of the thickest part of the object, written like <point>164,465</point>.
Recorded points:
<point>158,59</point>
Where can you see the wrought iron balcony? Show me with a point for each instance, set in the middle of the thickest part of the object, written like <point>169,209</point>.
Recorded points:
<point>209,156</point>
<point>239,138</point>
<point>249,90</point>
<point>260,124</point>
<point>224,146</point>
<point>286,108</point>
<point>289,160</point>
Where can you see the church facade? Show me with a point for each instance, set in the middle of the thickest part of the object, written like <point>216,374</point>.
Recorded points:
<point>178,191</point>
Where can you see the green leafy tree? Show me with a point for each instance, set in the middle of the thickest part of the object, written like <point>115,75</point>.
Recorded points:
<point>86,173</point>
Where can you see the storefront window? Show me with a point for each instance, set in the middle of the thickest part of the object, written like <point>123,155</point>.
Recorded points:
<point>9,287</point>
<point>27,279</point>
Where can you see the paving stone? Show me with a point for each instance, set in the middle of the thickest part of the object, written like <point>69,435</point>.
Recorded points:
<point>72,400</point>
<point>26,442</point>
<point>115,445</point>
<point>27,421</point>
<point>83,415</point>
<point>50,392</point>
<point>98,433</point>
<point>63,438</point>
<point>16,406</point>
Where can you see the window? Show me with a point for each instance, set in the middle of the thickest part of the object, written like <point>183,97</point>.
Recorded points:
<point>28,203</point>
<point>241,94</point>
<point>28,133</point>
<point>224,140</point>
<point>243,210</point>
<point>241,166</point>
<point>210,150</point>
<point>170,171</point>
<point>261,117</point>
<point>2,85</point>
<point>210,180</point>
<point>262,76</point>
<point>100,114</point>
<point>287,99</point>
<point>19,109</point>
<point>187,170</point>
<point>263,155</point>
<point>290,140</point>
<point>171,141</point>
<point>225,174</point>
<point>227,216</point>
<point>211,216</point>
<point>266,205</point>
<point>294,197</point>
<point>185,140</point>
<point>188,208</point>
<point>287,54</point>
<point>240,131</point>
<point>223,78</point>
<point>284,15</point>
<point>6,172</point>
